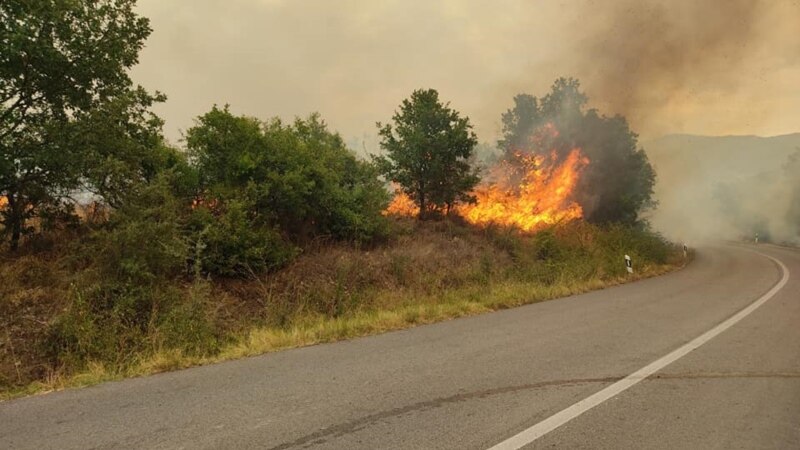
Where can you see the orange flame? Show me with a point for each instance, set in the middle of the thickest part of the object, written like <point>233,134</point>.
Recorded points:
<point>543,197</point>
<point>401,205</point>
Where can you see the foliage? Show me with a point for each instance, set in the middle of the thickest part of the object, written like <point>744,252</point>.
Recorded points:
<point>435,270</point>
<point>618,183</point>
<point>428,151</point>
<point>61,61</point>
<point>230,243</point>
<point>519,124</point>
<point>265,184</point>
<point>124,287</point>
<point>121,146</point>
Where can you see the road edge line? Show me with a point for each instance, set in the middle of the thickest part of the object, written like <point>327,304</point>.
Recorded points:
<point>558,419</point>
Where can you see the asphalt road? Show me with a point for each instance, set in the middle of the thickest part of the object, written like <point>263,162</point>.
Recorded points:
<point>476,382</point>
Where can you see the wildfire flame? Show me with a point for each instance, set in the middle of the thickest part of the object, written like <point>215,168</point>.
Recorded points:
<point>543,196</point>
<point>401,205</point>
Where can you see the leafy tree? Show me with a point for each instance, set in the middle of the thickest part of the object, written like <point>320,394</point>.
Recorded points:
<point>428,151</point>
<point>61,60</point>
<point>519,124</point>
<point>263,185</point>
<point>618,182</point>
<point>120,146</point>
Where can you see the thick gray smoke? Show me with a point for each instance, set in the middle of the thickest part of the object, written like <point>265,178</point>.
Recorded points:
<point>649,60</point>
<point>656,62</point>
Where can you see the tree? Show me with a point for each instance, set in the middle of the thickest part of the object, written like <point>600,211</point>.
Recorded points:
<point>427,153</point>
<point>519,124</point>
<point>265,186</point>
<point>618,182</point>
<point>61,60</point>
<point>120,145</point>
<point>617,185</point>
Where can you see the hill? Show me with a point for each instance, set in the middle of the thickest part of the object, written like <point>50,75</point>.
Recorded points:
<point>696,172</point>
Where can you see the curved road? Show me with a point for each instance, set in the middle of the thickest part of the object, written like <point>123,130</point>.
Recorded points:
<point>478,382</point>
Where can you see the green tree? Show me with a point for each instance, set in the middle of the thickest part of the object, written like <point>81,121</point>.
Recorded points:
<point>61,60</point>
<point>266,186</point>
<point>120,146</point>
<point>519,124</point>
<point>428,151</point>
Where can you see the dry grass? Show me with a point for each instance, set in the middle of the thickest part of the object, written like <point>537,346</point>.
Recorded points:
<point>427,273</point>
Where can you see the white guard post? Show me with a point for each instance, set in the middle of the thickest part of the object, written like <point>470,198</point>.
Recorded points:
<point>628,264</point>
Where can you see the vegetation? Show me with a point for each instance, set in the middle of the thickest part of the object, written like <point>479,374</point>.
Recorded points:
<point>428,153</point>
<point>123,255</point>
<point>71,320</point>
<point>266,187</point>
<point>618,183</point>
<point>62,63</point>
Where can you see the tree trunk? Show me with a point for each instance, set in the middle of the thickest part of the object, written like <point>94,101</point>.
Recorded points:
<point>16,232</point>
<point>15,219</point>
<point>423,208</point>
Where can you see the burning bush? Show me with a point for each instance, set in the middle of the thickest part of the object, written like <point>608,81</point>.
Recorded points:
<point>528,195</point>
<point>560,163</point>
<point>618,184</point>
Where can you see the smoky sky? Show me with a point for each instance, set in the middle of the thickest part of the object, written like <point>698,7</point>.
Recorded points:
<point>704,67</point>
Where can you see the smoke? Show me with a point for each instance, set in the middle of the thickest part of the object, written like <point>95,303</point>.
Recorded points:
<point>729,187</point>
<point>707,67</point>
<point>765,205</point>
<point>699,66</point>
<point>652,60</point>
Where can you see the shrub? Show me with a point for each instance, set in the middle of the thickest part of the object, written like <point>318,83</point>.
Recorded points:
<point>232,243</point>
<point>266,185</point>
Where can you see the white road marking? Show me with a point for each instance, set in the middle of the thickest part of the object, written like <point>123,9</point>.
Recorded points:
<point>551,423</point>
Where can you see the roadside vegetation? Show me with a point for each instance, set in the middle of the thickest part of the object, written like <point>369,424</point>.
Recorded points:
<point>125,255</point>
<point>65,325</point>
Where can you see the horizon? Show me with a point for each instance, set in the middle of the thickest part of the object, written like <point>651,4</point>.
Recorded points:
<point>690,70</point>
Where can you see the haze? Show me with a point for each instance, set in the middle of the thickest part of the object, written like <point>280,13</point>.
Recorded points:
<point>725,67</point>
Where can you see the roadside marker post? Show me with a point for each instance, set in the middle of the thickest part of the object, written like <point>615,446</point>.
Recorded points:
<point>628,264</point>
<point>685,251</point>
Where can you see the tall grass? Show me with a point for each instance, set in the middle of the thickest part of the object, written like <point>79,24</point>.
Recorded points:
<point>55,332</point>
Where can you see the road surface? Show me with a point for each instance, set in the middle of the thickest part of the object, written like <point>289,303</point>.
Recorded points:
<point>478,382</point>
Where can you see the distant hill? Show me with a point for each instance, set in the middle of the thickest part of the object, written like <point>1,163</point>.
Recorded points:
<point>691,169</point>
<point>725,155</point>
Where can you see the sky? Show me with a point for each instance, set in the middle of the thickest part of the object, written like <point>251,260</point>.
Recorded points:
<point>702,67</point>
